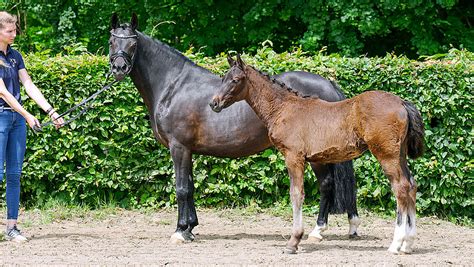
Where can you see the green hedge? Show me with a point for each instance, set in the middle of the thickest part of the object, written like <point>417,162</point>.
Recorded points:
<point>110,154</point>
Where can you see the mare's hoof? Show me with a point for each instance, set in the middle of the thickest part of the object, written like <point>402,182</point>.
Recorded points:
<point>289,250</point>
<point>182,237</point>
<point>188,236</point>
<point>177,238</point>
<point>315,239</point>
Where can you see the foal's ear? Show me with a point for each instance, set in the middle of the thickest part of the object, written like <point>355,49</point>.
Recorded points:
<point>114,21</point>
<point>134,21</point>
<point>230,60</point>
<point>240,62</point>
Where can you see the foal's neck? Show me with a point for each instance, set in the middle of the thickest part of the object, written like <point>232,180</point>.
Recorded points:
<point>265,96</point>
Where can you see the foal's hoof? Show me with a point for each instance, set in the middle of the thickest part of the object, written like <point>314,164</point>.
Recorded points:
<point>289,250</point>
<point>393,251</point>
<point>354,236</point>
<point>404,250</point>
<point>315,239</point>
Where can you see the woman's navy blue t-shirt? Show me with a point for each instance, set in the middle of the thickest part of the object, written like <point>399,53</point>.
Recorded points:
<point>9,74</point>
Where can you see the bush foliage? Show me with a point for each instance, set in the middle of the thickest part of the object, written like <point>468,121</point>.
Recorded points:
<point>347,27</point>
<point>110,154</point>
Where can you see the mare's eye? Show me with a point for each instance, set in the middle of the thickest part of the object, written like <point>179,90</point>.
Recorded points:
<point>235,81</point>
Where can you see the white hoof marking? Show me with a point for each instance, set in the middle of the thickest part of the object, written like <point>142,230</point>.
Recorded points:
<point>177,238</point>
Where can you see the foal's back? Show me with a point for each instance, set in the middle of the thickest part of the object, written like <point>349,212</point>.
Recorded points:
<point>338,131</point>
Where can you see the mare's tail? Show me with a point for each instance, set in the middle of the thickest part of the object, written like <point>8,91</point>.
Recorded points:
<point>416,131</point>
<point>344,188</point>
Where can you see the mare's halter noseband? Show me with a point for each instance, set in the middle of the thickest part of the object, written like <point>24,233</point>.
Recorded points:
<point>128,59</point>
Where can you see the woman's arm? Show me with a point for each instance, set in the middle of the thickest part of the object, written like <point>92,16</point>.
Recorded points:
<point>13,103</point>
<point>38,97</point>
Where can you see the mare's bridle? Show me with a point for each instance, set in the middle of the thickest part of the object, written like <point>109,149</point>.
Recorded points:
<point>128,60</point>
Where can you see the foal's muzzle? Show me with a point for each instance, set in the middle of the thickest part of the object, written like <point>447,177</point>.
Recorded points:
<point>216,105</point>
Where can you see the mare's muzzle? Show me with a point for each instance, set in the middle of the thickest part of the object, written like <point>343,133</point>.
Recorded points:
<point>121,64</point>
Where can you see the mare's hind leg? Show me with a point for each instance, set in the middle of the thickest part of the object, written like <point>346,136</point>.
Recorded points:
<point>323,174</point>
<point>404,188</point>
<point>338,194</point>
<point>295,167</point>
<point>345,194</point>
<point>187,218</point>
<point>346,171</point>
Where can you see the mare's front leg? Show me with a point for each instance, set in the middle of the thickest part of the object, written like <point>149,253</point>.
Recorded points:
<point>295,167</point>
<point>187,218</point>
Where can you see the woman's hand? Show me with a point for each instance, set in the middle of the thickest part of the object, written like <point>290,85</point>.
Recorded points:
<point>32,121</point>
<point>58,122</point>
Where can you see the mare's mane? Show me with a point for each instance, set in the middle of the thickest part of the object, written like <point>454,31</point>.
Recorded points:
<point>282,84</point>
<point>164,48</point>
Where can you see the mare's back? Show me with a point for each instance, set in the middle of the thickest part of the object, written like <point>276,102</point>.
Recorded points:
<point>311,84</point>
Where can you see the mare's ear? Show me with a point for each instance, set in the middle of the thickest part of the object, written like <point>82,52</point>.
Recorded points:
<point>134,21</point>
<point>240,62</point>
<point>114,21</point>
<point>230,60</point>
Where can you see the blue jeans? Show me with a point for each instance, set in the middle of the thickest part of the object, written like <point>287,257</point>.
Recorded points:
<point>12,153</point>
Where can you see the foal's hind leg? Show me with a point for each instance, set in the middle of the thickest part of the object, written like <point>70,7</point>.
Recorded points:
<point>407,246</point>
<point>404,188</point>
<point>295,167</point>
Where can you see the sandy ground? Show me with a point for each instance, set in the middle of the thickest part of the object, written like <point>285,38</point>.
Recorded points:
<point>228,237</point>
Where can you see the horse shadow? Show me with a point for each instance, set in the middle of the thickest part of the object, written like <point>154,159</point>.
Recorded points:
<point>239,236</point>
<point>308,246</point>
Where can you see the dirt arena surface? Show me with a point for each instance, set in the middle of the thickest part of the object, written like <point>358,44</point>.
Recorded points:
<point>228,237</point>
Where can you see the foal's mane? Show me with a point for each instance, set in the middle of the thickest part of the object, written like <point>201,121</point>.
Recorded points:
<point>281,84</point>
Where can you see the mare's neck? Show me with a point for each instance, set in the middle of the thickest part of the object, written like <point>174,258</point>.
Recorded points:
<point>156,71</point>
<point>264,96</point>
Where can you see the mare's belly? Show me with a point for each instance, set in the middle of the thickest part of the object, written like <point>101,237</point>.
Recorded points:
<point>234,147</point>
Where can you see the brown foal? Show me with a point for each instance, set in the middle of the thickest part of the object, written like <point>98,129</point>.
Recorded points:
<point>308,129</point>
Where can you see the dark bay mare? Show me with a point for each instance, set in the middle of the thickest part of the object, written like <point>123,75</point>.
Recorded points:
<point>309,129</point>
<point>176,93</point>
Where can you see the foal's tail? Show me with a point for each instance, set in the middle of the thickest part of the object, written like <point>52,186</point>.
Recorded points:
<point>416,131</point>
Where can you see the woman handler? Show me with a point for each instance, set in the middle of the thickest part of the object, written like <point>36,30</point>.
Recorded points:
<point>12,119</point>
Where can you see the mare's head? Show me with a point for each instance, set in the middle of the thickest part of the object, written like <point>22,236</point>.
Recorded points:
<point>233,88</point>
<point>123,44</point>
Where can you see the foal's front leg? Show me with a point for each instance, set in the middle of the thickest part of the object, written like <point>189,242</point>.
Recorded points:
<point>295,167</point>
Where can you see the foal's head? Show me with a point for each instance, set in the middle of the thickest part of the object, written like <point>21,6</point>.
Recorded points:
<point>233,87</point>
<point>122,46</point>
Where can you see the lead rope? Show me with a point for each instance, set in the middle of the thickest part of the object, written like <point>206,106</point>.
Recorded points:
<point>39,128</point>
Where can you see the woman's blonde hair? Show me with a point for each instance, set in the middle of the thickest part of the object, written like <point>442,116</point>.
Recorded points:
<point>6,18</point>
